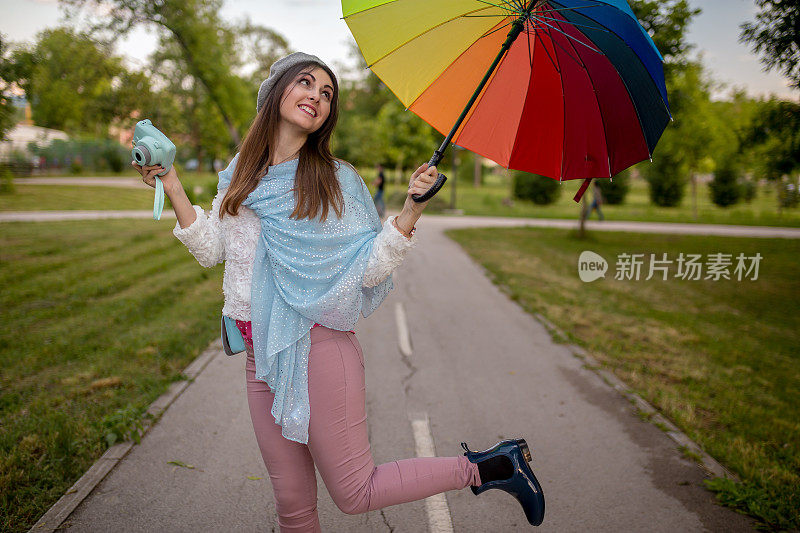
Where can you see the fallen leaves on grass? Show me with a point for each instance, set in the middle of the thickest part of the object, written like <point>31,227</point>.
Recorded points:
<point>105,383</point>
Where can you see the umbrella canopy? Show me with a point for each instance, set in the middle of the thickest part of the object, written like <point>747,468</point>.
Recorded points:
<point>579,93</point>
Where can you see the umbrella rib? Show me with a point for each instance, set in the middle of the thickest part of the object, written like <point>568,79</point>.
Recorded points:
<point>530,54</point>
<point>483,16</point>
<point>508,7</point>
<point>423,33</point>
<point>562,48</point>
<point>556,67</point>
<point>598,4</point>
<point>495,30</point>
<point>574,23</point>
<point>571,37</point>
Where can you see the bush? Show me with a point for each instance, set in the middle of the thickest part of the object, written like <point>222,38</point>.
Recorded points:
<point>76,167</point>
<point>667,179</point>
<point>6,180</point>
<point>789,194</point>
<point>114,157</point>
<point>748,188</point>
<point>540,190</point>
<point>19,163</point>
<point>724,187</point>
<point>615,190</point>
<point>91,154</point>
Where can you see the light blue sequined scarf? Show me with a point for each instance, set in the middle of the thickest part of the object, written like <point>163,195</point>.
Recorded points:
<point>305,272</point>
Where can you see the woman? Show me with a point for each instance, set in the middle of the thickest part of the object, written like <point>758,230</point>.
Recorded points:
<point>379,183</point>
<point>304,253</point>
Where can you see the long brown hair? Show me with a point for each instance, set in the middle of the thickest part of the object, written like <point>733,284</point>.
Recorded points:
<point>316,187</point>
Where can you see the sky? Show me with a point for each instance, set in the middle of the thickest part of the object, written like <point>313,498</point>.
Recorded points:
<point>315,26</point>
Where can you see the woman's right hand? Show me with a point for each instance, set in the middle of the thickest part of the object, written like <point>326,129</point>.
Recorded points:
<point>150,172</point>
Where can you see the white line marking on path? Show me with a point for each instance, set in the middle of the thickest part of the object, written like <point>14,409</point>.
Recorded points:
<point>403,337</point>
<point>436,505</point>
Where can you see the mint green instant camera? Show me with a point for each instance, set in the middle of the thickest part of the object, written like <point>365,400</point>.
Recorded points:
<point>151,147</point>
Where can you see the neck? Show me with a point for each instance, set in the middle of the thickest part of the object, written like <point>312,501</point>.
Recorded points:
<point>288,143</point>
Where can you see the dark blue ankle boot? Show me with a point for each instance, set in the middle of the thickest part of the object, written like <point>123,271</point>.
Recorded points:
<point>522,484</point>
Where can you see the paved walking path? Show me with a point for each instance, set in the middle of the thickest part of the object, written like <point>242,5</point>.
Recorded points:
<point>91,182</point>
<point>467,221</point>
<point>473,368</point>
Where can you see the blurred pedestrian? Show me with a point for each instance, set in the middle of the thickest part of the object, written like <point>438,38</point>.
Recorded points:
<point>380,181</point>
<point>597,200</point>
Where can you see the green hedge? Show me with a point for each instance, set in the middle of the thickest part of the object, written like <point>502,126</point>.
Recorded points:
<point>538,189</point>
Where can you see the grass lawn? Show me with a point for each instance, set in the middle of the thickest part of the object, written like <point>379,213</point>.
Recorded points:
<point>719,358</point>
<point>99,318</point>
<point>74,197</point>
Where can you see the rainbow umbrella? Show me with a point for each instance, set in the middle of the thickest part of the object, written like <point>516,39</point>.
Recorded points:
<point>570,89</point>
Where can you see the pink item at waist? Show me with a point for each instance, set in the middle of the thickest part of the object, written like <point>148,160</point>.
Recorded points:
<point>247,330</point>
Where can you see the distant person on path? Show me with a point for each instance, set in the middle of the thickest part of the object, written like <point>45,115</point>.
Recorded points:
<point>597,200</point>
<point>305,253</point>
<point>380,181</point>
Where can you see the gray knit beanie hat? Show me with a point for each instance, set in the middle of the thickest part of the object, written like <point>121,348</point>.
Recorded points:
<point>278,68</point>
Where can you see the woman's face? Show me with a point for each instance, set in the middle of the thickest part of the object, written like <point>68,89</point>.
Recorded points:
<point>306,102</point>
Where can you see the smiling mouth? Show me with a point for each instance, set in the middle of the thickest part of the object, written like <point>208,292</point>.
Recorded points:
<point>308,109</point>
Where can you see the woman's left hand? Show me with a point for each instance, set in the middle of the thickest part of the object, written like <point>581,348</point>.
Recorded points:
<point>421,180</point>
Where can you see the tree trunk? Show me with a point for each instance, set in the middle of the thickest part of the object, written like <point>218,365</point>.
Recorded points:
<point>476,177</point>
<point>584,215</point>
<point>694,195</point>
<point>200,157</point>
<point>454,180</point>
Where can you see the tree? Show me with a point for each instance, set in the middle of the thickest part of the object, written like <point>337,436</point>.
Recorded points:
<point>73,82</point>
<point>406,139</point>
<point>667,178</point>
<point>725,188</point>
<point>185,111</point>
<point>667,21</point>
<point>205,42</point>
<point>775,35</point>
<point>259,47</point>
<point>6,107</point>
<point>615,190</point>
<point>774,138</point>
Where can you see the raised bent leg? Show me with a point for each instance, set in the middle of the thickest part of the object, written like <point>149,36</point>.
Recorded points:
<point>338,436</point>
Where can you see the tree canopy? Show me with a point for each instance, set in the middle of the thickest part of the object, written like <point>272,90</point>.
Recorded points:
<point>74,82</point>
<point>775,35</point>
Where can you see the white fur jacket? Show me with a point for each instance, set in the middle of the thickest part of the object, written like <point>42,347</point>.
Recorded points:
<point>233,240</point>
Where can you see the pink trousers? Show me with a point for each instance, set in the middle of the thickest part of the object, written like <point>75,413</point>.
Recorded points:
<point>338,445</point>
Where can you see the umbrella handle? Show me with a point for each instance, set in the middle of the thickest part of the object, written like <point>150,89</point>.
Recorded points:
<point>440,179</point>
<point>419,198</point>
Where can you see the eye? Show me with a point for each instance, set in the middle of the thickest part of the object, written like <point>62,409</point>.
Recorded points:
<point>328,95</point>
<point>305,80</point>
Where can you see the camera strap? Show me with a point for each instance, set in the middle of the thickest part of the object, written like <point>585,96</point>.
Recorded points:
<point>158,202</point>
